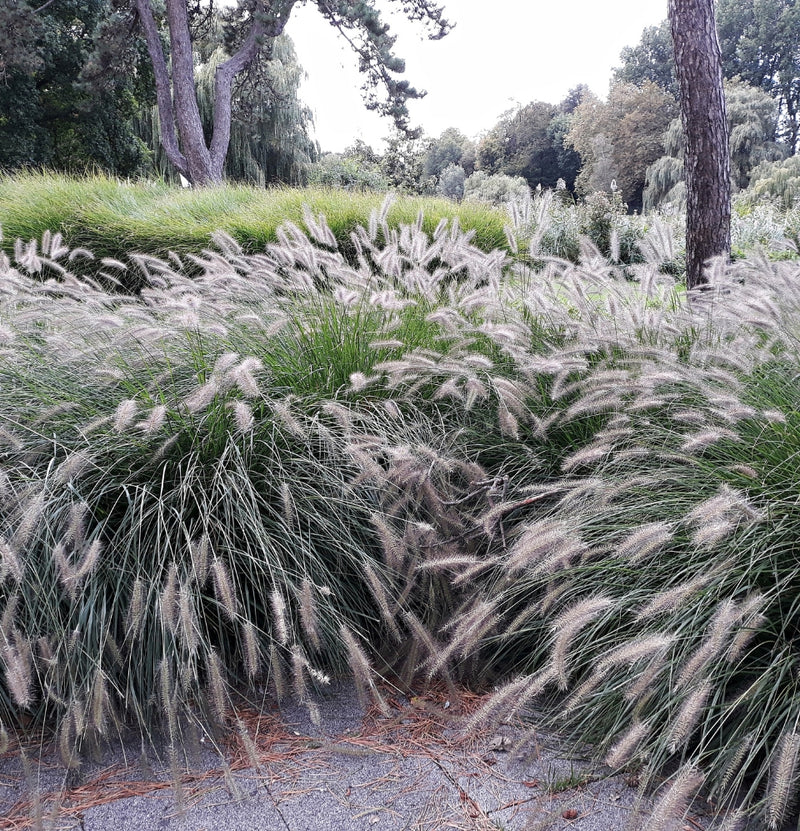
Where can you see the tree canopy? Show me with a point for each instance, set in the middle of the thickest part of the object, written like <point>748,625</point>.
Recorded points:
<point>251,27</point>
<point>752,123</point>
<point>56,109</point>
<point>758,43</point>
<point>617,139</point>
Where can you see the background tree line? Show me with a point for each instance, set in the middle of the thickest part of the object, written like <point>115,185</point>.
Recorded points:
<point>77,91</point>
<point>630,142</point>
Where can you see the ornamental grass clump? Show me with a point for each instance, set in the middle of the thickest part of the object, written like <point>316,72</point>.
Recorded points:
<point>112,219</point>
<point>575,481</point>
<point>649,592</point>
<point>192,501</point>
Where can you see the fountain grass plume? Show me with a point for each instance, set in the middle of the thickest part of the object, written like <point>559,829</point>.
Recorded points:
<point>427,457</point>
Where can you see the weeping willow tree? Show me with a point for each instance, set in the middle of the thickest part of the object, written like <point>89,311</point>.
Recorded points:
<point>270,140</point>
<point>752,127</point>
<point>664,180</point>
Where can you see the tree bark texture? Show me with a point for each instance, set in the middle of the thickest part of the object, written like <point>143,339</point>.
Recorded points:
<point>166,114</point>
<point>705,127</point>
<point>176,93</point>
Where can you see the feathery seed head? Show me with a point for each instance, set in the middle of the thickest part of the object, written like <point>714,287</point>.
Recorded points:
<point>125,414</point>
<point>675,799</point>
<point>216,684</point>
<point>308,613</point>
<point>635,649</point>
<point>686,719</point>
<point>200,551</point>
<point>391,407</point>
<point>728,613</point>
<point>299,664</point>
<point>623,750</point>
<point>168,601</point>
<point>393,548</point>
<point>379,594</point>
<point>276,669</point>
<point>10,563</point>
<point>72,467</point>
<point>717,517</point>
<point>644,541</point>
<point>509,426</point>
<point>6,490</point>
<point>668,601</point>
<point>283,413</point>
<point>90,559</point>
<point>225,361</point>
<point>76,527</point>
<point>782,789</point>
<point>586,456</point>
<point>279,616</point>
<point>223,588</point>
<point>202,397</point>
<point>566,627</point>
<point>154,421</point>
<point>188,620</point>
<point>29,520</point>
<point>17,656</point>
<point>449,389</point>
<point>243,377</point>
<point>252,652</point>
<point>744,470</point>
<point>289,508</point>
<point>359,663</point>
<point>539,540</point>
<point>697,442</point>
<point>135,616</point>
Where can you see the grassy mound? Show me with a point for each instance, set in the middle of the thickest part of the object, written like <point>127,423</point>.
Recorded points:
<point>111,218</point>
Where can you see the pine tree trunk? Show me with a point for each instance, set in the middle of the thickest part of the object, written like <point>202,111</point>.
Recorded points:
<point>705,127</point>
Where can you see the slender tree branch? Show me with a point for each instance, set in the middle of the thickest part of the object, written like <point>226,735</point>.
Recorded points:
<point>261,28</point>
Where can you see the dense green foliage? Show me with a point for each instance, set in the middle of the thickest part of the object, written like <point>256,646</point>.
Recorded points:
<point>618,138</point>
<point>758,42</point>
<point>111,219</point>
<point>753,125</point>
<point>55,110</point>
<point>78,94</point>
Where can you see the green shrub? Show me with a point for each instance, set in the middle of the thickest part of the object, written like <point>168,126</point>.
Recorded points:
<point>775,181</point>
<point>495,188</point>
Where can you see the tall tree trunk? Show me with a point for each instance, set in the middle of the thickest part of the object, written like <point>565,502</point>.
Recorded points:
<point>184,95</point>
<point>166,114</point>
<point>705,127</point>
<point>176,95</point>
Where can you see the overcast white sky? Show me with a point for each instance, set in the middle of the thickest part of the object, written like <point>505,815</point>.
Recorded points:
<point>500,53</point>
